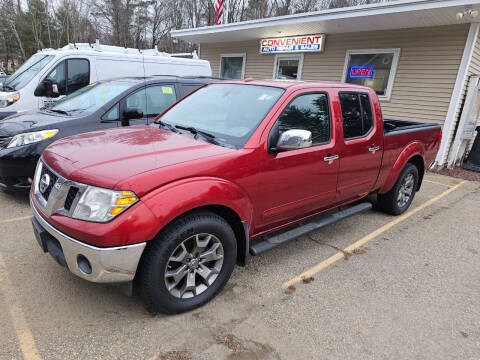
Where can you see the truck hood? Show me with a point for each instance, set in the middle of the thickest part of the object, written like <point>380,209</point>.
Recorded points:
<point>105,158</point>
<point>28,121</point>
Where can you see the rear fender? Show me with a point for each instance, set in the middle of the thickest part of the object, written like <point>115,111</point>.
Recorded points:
<point>411,150</point>
<point>175,199</point>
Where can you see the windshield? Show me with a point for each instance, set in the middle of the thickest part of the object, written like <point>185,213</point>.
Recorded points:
<point>231,112</point>
<point>90,98</point>
<point>27,71</point>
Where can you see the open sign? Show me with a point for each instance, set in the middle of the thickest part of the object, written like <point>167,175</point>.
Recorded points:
<point>361,71</point>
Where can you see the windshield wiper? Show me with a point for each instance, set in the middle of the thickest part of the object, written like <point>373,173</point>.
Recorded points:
<point>59,111</point>
<point>8,87</point>
<point>77,110</point>
<point>195,131</point>
<point>166,125</point>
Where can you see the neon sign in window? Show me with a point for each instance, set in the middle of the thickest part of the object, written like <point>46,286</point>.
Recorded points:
<point>361,72</point>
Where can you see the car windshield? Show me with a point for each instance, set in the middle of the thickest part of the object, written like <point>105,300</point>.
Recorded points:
<point>27,71</point>
<point>231,112</point>
<point>90,98</point>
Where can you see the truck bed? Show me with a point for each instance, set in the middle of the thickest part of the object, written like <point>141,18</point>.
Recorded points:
<point>397,127</point>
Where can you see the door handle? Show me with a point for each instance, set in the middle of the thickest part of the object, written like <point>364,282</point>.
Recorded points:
<point>330,158</point>
<point>373,148</point>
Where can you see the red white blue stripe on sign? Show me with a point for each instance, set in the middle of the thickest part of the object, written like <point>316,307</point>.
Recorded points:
<point>361,72</point>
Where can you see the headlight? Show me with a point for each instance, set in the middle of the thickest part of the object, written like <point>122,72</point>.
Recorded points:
<point>12,99</point>
<point>102,205</point>
<point>31,137</point>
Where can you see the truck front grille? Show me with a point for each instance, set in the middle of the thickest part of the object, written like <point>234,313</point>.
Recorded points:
<point>55,194</point>
<point>53,179</point>
<point>72,194</point>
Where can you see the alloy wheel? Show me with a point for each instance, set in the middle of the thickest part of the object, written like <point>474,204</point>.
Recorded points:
<point>194,265</point>
<point>406,190</point>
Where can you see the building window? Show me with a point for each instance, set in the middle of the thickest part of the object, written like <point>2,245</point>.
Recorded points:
<point>288,67</point>
<point>373,68</point>
<point>232,66</point>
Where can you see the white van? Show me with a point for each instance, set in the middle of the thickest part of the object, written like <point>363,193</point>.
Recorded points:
<point>51,74</point>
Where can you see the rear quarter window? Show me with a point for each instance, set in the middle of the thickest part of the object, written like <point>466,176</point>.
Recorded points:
<point>356,114</point>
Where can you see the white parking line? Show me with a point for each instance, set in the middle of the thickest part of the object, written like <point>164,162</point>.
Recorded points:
<point>438,183</point>
<point>24,335</point>
<point>339,255</point>
<point>15,219</point>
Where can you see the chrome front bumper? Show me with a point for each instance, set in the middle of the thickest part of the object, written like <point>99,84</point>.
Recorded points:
<point>108,265</point>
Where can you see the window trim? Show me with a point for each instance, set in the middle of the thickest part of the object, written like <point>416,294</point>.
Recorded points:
<point>372,128</point>
<point>230,55</point>
<point>393,69</point>
<point>288,57</point>
<point>329,103</point>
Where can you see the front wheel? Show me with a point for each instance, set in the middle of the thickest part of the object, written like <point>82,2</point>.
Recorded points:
<point>188,263</point>
<point>399,198</point>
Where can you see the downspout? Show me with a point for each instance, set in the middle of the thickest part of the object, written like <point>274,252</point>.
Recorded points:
<point>462,75</point>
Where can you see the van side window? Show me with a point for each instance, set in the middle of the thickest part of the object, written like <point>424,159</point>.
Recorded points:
<point>356,114</point>
<point>137,101</point>
<point>112,114</point>
<point>159,97</point>
<point>57,75</point>
<point>187,89</point>
<point>78,74</point>
<point>308,112</point>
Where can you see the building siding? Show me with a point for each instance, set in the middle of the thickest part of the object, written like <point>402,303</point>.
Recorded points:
<point>425,78</point>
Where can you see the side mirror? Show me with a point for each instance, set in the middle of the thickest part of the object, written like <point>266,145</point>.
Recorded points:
<point>132,113</point>
<point>294,139</point>
<point>47,88</point>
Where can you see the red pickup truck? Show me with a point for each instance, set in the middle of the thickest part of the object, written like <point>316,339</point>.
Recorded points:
<point>235,168</point>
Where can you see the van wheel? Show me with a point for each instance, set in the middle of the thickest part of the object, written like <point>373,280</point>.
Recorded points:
<point>188,263</point>
<point>399,198</point>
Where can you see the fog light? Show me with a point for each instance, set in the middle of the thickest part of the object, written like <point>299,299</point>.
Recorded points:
<point>84,265</point>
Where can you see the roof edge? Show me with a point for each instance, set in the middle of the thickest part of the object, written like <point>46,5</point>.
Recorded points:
<point>329,14</point>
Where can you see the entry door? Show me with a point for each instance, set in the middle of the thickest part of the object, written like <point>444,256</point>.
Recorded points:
<point>361,154</point>
<point>297,182</point>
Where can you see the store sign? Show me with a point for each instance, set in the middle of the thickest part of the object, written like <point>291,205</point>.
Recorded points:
<point>361,72</point>
<point>293,44</point>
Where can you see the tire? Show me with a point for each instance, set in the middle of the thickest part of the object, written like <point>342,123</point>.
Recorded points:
<point>392,202</point>
<point>165,255</point>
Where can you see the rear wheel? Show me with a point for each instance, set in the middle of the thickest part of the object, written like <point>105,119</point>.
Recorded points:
<point>188,263</point>
<point>399,198</point>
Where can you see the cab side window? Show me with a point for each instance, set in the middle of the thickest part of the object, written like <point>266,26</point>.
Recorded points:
<point>57,75</point>
<point>308,112</point>
<point>70,75</point>
<point>356,114</point>
<point>78,74</point>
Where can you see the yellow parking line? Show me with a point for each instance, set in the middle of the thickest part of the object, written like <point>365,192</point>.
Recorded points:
<point>317,268</point>
<point>438,183</point>
<point>15,219</point>
<point>24,335</point>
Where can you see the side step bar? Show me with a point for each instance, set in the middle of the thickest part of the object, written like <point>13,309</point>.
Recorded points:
<point>268,242</point>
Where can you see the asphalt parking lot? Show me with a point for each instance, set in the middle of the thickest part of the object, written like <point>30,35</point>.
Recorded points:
<point>371,287</point>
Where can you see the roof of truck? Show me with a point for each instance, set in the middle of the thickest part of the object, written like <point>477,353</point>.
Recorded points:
<point>300,84</point>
